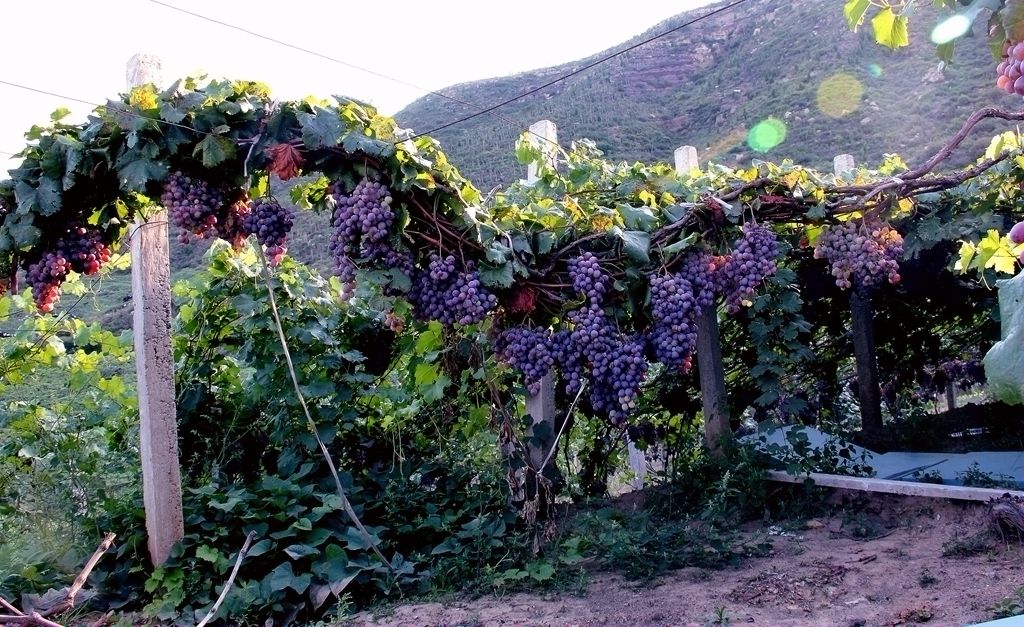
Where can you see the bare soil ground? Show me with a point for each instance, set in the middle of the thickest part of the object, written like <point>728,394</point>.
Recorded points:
<point>879,561</point>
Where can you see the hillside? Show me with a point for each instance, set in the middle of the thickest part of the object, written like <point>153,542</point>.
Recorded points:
<point>707,85</point>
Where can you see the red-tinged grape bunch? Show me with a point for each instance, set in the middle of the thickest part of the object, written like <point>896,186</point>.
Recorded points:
<point>862,254</point>
<point>450,295</point>
<point>588,278</point>
<point>673,336</point>
<point>751,261</point>
<point>232,227</point>
<point>1017,237</point>
<point>193,205</point>
<point>84,249</point>
<point>362,223</point>
<point>46,276</point>
<point>1009,71</point>
<point>529,351</point>
<point>270,222</point>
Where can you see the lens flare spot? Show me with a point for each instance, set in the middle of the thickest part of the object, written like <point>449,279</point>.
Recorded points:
<point>766,134</point>
<point>839,95</point>
<point>953,27</point>
<point>875,70</point>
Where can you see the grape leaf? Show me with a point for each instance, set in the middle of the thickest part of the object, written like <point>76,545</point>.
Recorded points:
<point>636,244</point>
<point>890,29</point>
<point>497,276</point>
<point>855,10</point>
<point>215,149</point>
<point>355,142</point>
<point>320,129</point>
<point>48,196</point>
<point>135,173</point>
<point>1013,19</point>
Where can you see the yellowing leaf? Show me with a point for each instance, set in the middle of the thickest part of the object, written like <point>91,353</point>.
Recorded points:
<point>854,11</point>
<point>967,251</point>
<point>890,29</point>
<point>905,205</point>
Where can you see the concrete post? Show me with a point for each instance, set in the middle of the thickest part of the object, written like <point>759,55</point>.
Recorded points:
<point>541,406</point>
<point>154,363</point>
<point>717,431</point>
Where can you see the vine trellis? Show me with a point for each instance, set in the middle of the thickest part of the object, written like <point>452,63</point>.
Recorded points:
<point>92,180</point>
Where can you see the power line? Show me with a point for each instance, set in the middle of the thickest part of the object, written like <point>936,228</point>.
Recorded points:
<point>342,62</point>
<point>579,70</point>
<point>94,104</point>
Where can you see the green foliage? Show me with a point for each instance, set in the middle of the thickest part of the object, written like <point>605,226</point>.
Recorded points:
<point>1012,605</point>
<point>974,476</point>
<point>68,444</point>
<point>434,503</point>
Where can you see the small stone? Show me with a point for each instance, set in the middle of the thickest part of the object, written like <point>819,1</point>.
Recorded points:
<point>814,523</point>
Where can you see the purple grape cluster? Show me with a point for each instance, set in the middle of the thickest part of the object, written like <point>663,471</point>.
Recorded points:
<point>193,205</point>
<point>529,351</point>
<point>616,364</point>
<point>568,359</point>
<point>588,278</point>
<point>752,261</point>
<point>444,293</point>
<point>270,222</point>
<point>861,254</point>
<point>673,336</point>
<point>46,276</point>
<point>698,270</point>
<point>362,223</point>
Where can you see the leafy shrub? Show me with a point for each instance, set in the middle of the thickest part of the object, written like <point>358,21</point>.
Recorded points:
<point>435,505</point>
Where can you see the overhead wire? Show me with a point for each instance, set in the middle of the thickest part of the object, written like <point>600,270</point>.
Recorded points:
<point>96,104</point>
<point>580,70</point>
<point>326,57</point>
<point>481,110</point>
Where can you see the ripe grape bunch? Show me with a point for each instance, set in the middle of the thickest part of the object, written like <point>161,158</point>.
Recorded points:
<point>1009,71</point>
<point>193,205</point>
<point>84,249</point>
<point>588,278</point>
<point>270,222</point>
<point>444,293</point>
<point>752,261</point>
<point>529,351</point>
<point>861,255</point>
<point>46,276</point>
<point>615,364</point>
<point>80,250</point>
<point>362,224</point>
<point>1017,237</point>
<point>673,335</point>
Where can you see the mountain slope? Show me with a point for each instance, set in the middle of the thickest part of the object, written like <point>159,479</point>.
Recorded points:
<point>708,84</point>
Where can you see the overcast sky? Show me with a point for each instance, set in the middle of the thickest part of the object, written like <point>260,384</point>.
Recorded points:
<point>79,49</point>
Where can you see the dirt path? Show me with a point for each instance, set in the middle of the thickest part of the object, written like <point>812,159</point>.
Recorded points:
<point>826,574</point>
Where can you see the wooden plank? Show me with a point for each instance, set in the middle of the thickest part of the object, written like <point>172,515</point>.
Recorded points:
<point>890,486</point>
<point>154,364</point>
